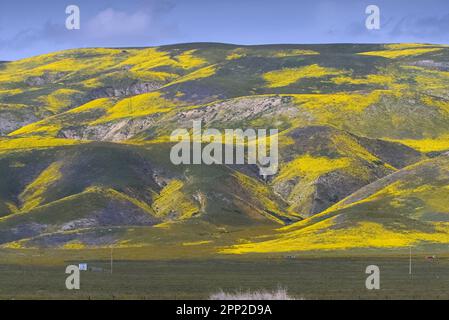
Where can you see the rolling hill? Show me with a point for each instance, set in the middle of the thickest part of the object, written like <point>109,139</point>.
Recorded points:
<point>363,132</point>
<point>406,208</point>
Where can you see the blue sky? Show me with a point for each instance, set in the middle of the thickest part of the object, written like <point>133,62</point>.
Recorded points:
<point>29,28</point>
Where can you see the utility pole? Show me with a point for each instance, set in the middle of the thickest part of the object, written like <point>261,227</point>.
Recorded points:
<point>112,252</point>
<point>410,263</point>
<point>112,258</point>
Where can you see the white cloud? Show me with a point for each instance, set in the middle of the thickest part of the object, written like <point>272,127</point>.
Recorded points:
<point>111,23</point>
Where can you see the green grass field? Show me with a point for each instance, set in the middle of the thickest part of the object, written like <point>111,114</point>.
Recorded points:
<point>304,278</point>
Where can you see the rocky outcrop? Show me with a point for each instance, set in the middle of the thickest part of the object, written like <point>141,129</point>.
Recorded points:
<point>46,78</point>
<point>111,131</point>
<point>236,110</point>
<point>13,120</point>
<point>442,66</point>
<point>117,91</point>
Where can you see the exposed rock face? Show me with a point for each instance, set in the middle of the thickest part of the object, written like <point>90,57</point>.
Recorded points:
<point>120,91</point>
<point>10,121</point>
<point>112,131</point>
<point>46,78</point>
<point>225,113</point>
<point>443,66</point>
<point>235,110</point>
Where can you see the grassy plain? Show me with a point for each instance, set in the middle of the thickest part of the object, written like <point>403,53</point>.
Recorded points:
<point>304,277</point>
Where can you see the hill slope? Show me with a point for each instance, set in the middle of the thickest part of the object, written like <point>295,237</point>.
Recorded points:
<point>84,143</point>
<point>408,207</point>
